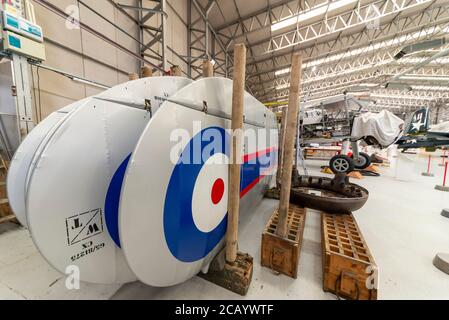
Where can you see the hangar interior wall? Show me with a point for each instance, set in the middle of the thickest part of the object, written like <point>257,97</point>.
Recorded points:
<point>90,57</point>
<point>78,52</point>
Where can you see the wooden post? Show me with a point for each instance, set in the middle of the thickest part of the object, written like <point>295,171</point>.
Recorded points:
<point>133,76</point>
<point>146,72</point>
<point>232,269</point>
<point>281,146</point>
<point>176,71</point>
<point>208,69</point>
<point>237,138</point>
<point>289,143</point>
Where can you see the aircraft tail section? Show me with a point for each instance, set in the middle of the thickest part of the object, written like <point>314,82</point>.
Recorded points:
<point>418,122</point>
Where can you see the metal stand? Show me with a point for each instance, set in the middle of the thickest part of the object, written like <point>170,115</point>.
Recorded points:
<point>16,112</point>
<point>442,188</point>
<point>441,261</point>
<point>24,104</point>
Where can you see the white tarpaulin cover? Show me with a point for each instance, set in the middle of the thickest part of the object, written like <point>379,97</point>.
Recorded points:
<point>384,126</point>
<point>441,127</point>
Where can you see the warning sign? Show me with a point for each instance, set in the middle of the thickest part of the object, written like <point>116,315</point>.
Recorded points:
<point>84,226</point>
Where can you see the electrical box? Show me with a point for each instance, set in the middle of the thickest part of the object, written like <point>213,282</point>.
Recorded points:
<point>19,35</point>
<point>15,43</point>
<point>21,26</point>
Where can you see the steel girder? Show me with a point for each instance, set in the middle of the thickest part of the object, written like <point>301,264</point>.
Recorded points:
<point>319,87</point>
<point>411,28</point>
<point>203,41</point>
<point>354,45</point>
<point>367,16</point>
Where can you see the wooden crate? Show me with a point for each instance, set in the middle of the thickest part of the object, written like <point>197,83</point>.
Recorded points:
<point>348,266</point>
<point>5,209</point>
<point>10,218</point>
<point>3,194</point>
<point>282,254</point>
<point>6,214</point>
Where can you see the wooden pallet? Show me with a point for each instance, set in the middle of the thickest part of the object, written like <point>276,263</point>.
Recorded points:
<point>282,254</point>
<point>348,266</point>
<point>6,214</point>
<point>10,218</point>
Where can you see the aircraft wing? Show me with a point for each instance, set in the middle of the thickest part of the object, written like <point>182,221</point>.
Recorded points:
<point>438,135</point>
<point>423,142</point>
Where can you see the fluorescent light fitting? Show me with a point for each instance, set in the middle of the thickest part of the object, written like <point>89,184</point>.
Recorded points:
<point>432,88</point>
<point>429,78</point>
<point>284,23</point>
<point>281,87</point>
<point>312,13</point>
<point>416,60</point>
<point>282,71</point>
<point>368,84</point>
<point>386,96</point>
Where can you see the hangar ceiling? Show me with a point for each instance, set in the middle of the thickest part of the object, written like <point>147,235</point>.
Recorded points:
<point>347,46</point>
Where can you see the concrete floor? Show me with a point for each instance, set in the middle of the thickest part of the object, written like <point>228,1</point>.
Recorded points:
<point>401,223</point>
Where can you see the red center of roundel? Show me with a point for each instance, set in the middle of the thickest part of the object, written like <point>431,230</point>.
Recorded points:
<point>217,191</point>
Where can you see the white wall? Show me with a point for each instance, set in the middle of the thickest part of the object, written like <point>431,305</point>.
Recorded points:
<point>78,52</point>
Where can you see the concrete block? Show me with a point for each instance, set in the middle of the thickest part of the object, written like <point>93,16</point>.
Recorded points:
<point>441,261</point>
<point>442,188</point>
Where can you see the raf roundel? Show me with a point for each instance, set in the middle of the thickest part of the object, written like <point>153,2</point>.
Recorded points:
<point>197,186</point>
<point>173,203</point>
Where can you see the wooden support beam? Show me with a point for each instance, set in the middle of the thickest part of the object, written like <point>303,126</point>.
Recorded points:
<point>281,147</point>
<point>236,150</point>
<point>289,144</point>
<point>208,69</point>
<point>133,76</point>
<point>146,72</point>
<point>232,269</point>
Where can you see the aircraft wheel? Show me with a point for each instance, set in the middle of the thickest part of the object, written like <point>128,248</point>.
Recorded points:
<point>363,162</point>
<point>341,164</point>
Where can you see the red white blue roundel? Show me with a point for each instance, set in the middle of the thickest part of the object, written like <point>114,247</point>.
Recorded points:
<point>173,203</point>
<point>195,209</point>
<point>197,186</point>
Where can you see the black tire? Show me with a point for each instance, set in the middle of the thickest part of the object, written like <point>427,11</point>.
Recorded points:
<point>341,164</point>
<point>364,161</point>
